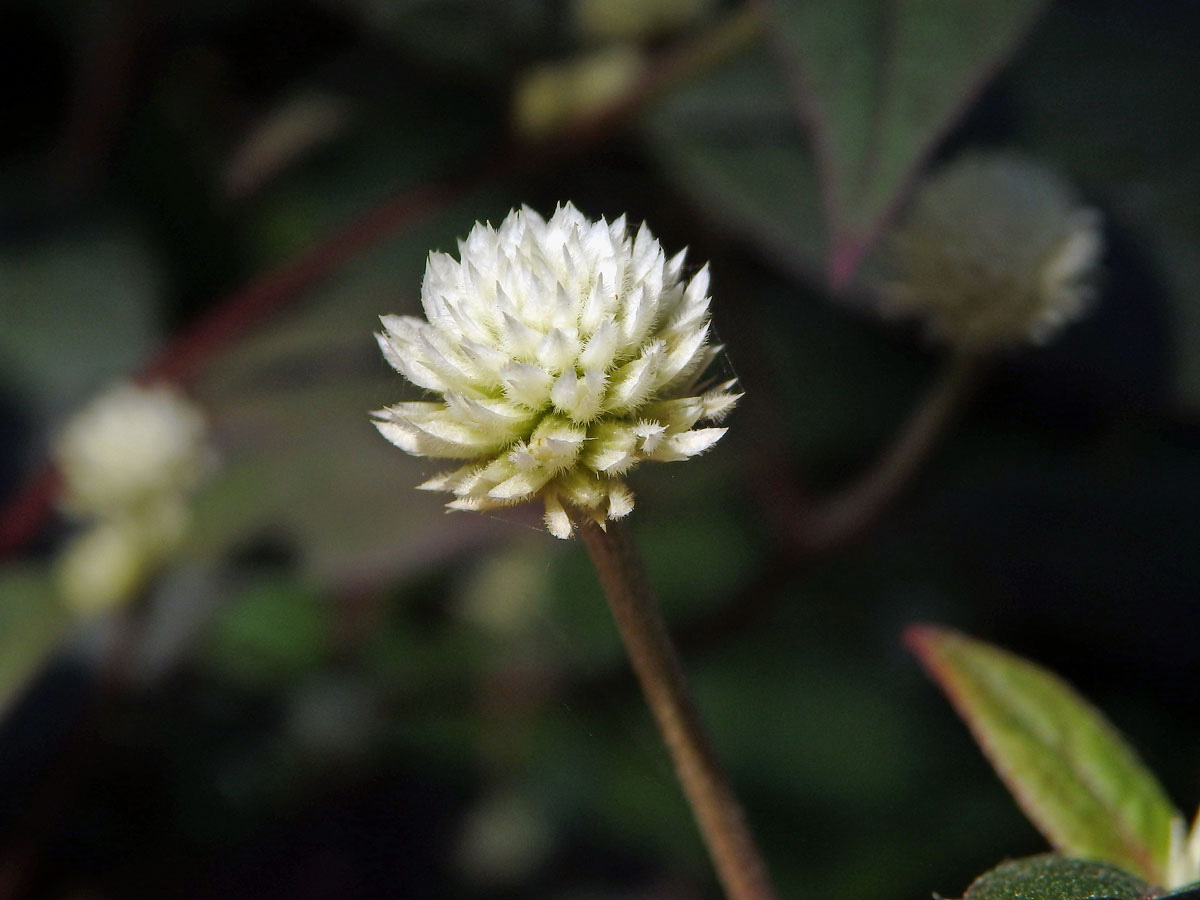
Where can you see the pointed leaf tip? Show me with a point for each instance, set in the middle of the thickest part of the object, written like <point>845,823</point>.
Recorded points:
<point>1070,771</point>
<point>918,638</point>
<point>879,85</point>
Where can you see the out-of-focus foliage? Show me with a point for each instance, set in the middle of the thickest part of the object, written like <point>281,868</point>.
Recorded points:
<point>1073,774</point>
<point>876,85</point>
<point>372,697</point>
<point>79,310</point>
<point>320,364</point>
<point>1049,877</point>
<point>32,623</point>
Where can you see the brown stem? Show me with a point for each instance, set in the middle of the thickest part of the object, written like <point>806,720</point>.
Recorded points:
<point>849,512</point>
<point>718,813</point>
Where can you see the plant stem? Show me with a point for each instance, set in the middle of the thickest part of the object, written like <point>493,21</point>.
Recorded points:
<point>851,511</point>
<point>718,813</point>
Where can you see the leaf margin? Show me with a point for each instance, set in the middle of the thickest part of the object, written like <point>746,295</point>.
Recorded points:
<point>934,646</point>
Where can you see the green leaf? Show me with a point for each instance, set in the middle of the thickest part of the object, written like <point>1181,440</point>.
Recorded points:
<point>272,634</point>
<point>730,141</point>
<point>78,311</point>
<point>1053,877</point>
<point>1068,768</point>
<point>32,624</point>
<point>880,84</point>
<point>301,460</point>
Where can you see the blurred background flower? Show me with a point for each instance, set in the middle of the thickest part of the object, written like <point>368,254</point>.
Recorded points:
<point>225,195</point>
<point>128,463</point>
<point>995,252</point>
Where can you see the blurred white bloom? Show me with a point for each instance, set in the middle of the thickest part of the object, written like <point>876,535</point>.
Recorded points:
<point>506,592</point>
<point>127,462</point>
<point>503,839</point>
<point>131,445</point>
<point>101,567</point>
<point>996,251</point>
<point>106,564</point>
<point>552,96</point>
<point>565,353</point>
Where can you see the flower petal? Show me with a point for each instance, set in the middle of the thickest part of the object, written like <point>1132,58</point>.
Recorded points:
<point>558,523</point>
<point>691,443</point>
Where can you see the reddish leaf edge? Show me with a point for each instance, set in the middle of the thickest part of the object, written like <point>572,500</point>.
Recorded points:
<point>849,245</point>
<point>922,641</point>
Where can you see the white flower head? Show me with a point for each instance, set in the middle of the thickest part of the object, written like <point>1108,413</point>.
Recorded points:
<point>996,251</point>
<point>565,352</point>
<point>130,446</point>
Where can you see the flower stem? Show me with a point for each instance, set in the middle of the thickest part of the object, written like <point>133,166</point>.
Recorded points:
<point>718,813</point>
<point>849,512</point>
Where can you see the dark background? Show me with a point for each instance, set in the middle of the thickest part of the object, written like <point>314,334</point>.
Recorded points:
<point>346,693</point>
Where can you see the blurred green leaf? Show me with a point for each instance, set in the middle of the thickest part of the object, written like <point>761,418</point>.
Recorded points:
<point>399,142</point>
<point>1053,877</point>
<point>1071,772</point>
<point>269,635</point>
<point>303,462</point>
<point>32,624</point>
<point>730,141</point>
<point>79,311</point>
<point>880,84</point>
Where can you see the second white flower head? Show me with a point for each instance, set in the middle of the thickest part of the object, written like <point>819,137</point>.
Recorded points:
<point>565,352</point>
<point>131,446</point>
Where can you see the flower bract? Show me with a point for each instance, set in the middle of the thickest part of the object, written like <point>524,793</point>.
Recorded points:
<point>996,251</point>
<point>559,354</point>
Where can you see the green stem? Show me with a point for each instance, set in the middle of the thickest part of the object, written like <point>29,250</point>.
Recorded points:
<point>851,511</point>
<point>718,813</point>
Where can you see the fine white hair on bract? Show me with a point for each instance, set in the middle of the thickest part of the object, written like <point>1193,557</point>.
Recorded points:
<point>563,352</point>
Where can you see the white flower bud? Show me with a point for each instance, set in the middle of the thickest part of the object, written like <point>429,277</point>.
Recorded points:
<point>128,446</point>
<point>996,251</point>
<point>104,566</point>
<point>552,96</point>
<point>128,461</point>
<point>565,353</point>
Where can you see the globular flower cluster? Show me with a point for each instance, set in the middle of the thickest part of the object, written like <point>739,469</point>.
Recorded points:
<point>131,445</point>
<point>564,352</point>
<point>996,251</point>
<point>128,461</point>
